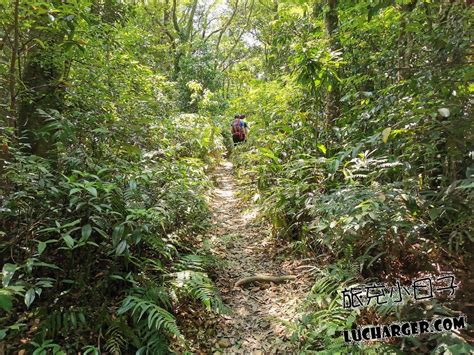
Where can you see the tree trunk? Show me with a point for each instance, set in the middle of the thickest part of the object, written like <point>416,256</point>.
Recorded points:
<point>12,79</point>
<point>12,72</point>
<point>333,96</point>
<point>405,41</point>
<point>41,94</point>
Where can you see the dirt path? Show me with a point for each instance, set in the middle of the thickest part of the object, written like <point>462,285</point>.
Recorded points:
<point>258,311</point>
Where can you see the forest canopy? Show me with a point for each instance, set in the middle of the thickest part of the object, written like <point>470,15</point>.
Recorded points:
<point>116,114</point>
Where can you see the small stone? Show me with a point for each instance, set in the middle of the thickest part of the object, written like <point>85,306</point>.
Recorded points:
<point>210,331</point>
<point>224,343</point>
<point>444,112</point>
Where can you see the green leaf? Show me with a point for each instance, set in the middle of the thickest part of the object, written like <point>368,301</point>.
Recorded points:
<point>268,153</point>
<point>467,186</point>
<point>72,224</point>
<point>331,330</point>
<point>7,272</point>
<point>121,247</point>
<point>101,232</point>
<point>6,301</point>
<point>117,233</point>
<point>73,320</point>
<point>74,190</point>
<point>350,320</point>
<point>52,266</point>
<point>434,213</point>
<point>41,247</point>
<point>69,241</point>
<point>92,190</point>
<point>30,296</point>
<point>86,231</point>
<point>82,318</point>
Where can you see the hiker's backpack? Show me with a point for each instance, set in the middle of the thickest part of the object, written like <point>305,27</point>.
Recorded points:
<point>237,129</point>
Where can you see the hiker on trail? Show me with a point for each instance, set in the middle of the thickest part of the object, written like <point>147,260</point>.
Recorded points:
<point>239,129</point>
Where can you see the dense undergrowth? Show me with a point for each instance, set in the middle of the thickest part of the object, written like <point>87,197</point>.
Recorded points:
<point>102,248</point>
<point>100,237</point>
<point>383,190</point>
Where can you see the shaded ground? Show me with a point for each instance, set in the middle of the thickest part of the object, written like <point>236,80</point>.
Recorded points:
<point>258,311</point>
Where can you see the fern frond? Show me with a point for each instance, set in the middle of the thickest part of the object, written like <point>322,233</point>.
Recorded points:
<point>198,286</point>
<point>159,295</point>
<point>115,340</point>
<point>156,317</point>
<point>191,262</point>
<point>63,321</point>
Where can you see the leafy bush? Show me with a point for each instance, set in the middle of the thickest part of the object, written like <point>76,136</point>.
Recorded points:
<point>386,183</point>
<point>93,233</point>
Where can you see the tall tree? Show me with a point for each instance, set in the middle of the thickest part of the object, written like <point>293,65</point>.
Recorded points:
<point>331,21</point>
<point>43,93</point>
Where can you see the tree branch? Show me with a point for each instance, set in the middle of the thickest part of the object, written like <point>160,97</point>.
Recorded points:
<point>240,35</point>
<point>189,26</point>
<point>175,19</point>
<point>162,26</point>
<point>226,25</point>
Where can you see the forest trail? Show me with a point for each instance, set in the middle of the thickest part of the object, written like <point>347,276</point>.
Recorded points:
<point>257,311</point>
